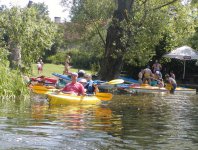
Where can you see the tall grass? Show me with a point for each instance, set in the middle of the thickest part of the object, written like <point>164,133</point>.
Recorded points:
<point>11,83</point>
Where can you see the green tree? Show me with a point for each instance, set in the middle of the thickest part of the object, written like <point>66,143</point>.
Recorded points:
<point>135,29</point>
<point>26,34</point>
<point>41,8</point>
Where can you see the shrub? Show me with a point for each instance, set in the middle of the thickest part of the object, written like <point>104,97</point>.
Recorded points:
<point>11,83</point>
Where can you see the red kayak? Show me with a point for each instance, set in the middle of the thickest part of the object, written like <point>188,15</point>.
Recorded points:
<point>44,79</point>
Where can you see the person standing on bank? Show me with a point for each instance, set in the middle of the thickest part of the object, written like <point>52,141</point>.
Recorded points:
<point>66,68</point>
<point>39,68</point>
<point>42,64</point>
<point>156,66</point>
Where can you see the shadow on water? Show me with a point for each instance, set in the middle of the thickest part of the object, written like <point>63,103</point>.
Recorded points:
<point>137,121</point>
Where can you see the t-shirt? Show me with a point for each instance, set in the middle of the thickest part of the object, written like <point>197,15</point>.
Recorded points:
<point>76,88</point>
<point>172,81</point>
<point>39,66</point>
<point>147,73</point>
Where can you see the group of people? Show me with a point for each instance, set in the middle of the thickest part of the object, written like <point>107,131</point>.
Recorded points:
<point>80,84</point>
<point>154,77</point>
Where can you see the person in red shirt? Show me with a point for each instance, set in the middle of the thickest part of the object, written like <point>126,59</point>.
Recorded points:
<point>74,87</point>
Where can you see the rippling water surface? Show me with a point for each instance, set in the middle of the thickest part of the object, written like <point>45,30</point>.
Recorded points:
<point>143,121</point>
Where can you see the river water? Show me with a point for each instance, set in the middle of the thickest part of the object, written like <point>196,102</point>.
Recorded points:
<point>140,121</point>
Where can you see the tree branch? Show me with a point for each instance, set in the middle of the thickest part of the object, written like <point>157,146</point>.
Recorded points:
<point>100,35</point>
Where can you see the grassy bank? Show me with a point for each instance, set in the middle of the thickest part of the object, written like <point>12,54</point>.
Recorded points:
<point>48,69</point>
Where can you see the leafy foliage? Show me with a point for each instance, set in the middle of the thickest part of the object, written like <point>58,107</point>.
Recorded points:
<point>36,33</point>
<point>11,83</point>
<point>146,26</point>
<point>33,32</point>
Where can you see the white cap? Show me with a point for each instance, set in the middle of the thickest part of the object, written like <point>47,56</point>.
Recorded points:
<point>74,74</point>
<point>81,71</point>
<point>157,72</point>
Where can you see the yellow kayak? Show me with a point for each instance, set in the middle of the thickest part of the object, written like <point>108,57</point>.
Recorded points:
<point>60,99</point>
<point>145,88</point>
<point>185,90</point>
<point>42,89</point>
<point>181,89</point>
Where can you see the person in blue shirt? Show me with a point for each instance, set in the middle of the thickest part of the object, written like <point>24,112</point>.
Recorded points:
<point>91,87</point>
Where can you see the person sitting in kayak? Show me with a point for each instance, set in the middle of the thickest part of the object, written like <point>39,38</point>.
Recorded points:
<point>74,87</point>
<point>81,74</point>
<point>147,74</point>
<point>83,82</point>
<point>90,87</point>
<point>172,82</point>
<point>160,83</point>
<point>172,74</point>
<point>140,76</point>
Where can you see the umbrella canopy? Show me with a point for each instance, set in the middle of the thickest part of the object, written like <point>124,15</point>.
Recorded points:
<point>183,53</point>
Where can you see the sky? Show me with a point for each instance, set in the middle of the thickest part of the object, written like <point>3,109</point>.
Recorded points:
<point>55,9</point>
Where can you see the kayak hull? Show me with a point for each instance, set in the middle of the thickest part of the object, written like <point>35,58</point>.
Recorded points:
<point>42,87</point>
<point>66,99</point>
<point>154,89</point>
<point>185,90</point>
<point>149,89</point>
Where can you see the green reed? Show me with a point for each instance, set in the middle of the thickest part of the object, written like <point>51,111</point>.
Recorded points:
<point>11,83</point>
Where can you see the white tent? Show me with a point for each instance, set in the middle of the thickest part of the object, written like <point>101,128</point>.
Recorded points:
<point>183,53</point>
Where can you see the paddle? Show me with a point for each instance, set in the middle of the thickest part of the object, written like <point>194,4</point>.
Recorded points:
<point>104,96</point>
<point>115,81</point>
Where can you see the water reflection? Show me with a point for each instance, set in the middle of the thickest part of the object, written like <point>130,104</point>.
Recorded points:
<point>77,117</point>
<point>138,121</point>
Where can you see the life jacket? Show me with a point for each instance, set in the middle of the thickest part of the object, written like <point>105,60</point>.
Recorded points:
<point>90,88</point>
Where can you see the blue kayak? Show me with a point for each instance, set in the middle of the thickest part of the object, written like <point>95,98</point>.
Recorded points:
<point>128,79</point>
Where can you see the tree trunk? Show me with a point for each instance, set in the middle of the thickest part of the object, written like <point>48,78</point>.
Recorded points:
<point>112,62</point>
<point>15,56</point>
